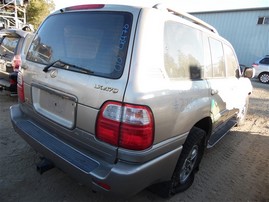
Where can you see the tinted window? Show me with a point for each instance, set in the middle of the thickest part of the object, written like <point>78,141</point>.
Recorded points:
<point>208,69</point>
<point>231,61</point>
<point>217,58</point>
<point>183,51</point>
<point>97,41</point>
<point>8,45</point>
<point>265,61</point>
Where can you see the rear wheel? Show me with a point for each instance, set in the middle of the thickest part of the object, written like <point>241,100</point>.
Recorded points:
<point>264,77</point>
<point>187,165</point>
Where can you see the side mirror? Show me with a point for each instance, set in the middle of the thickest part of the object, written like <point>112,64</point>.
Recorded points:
<point>249,72</point>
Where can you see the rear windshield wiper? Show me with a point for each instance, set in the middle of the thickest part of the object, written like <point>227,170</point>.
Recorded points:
<point>67,66</point>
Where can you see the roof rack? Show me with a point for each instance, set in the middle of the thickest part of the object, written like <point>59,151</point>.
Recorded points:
<point>186,16</point>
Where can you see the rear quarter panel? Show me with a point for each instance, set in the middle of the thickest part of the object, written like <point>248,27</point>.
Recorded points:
<point>176,104</point>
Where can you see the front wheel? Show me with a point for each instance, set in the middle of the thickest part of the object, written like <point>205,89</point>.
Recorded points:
<point>187,165</point>
<point>264,77</point>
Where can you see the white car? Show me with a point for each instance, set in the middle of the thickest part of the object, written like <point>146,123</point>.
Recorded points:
<point>262,69</point>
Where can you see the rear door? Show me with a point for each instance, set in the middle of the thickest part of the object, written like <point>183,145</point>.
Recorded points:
<point>227,94</point>
<point>216,77</point>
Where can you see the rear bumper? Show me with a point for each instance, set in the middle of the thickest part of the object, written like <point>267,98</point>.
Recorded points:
<point>122,179</point>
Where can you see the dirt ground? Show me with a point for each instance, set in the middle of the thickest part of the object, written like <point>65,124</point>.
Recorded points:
<point>236,169</point>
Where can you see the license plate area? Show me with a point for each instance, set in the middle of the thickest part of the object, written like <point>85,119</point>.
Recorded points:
<point>55,105</point>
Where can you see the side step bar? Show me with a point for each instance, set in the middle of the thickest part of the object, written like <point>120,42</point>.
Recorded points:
<point>219,134</point>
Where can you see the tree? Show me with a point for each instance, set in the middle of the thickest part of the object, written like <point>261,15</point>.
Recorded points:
<point>38,10</point>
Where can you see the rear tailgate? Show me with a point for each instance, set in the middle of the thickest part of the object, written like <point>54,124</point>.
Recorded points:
<point>66,99</point>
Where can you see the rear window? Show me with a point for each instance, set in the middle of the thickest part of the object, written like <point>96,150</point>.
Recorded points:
<point>8,45</point>
<point>265,61</point>
<point>97,41</point>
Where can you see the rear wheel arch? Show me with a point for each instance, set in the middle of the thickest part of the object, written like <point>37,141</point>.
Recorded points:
<point>186,167</point>
<point>206,125</point>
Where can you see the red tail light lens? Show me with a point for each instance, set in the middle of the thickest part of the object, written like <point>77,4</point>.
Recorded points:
<point>20,87</point>
<point>102,184</point>
<point>125,125</point>
<point>255,65</point>
<point>136,127</point>
<point>16,63</point>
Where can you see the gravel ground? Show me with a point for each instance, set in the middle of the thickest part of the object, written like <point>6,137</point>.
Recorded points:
<point>236,169</point>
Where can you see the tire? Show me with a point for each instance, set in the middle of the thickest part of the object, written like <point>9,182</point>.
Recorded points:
<point>187,165</point>
<point>264,77</point>
<point>241,117</point>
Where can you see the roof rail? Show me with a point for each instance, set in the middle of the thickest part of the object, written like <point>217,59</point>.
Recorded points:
<point>186,16</point>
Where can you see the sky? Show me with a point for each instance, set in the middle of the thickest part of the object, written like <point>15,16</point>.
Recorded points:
<point>186,5</point>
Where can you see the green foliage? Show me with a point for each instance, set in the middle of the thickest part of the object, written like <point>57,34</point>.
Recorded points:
<point>38,10</point>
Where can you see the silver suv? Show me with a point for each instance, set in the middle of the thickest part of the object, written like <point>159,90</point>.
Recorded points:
<point>123,98</point>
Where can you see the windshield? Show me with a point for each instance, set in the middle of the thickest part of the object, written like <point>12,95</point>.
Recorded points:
<point>97,41</point>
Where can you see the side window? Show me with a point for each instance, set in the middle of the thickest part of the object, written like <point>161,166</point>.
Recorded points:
<point>208,69</point>
<point>183,51</point>
<point>9,45</point>
<point>231,61</point>
<point>265,61</point>
<point>217,58</point>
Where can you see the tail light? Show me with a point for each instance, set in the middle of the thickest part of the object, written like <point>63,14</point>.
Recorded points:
<point>16,63</point>
<point>255,65</point>
<point>125,125</point>
<point>20,87</point>
<point>84,7</point>
<point>102,184</point>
